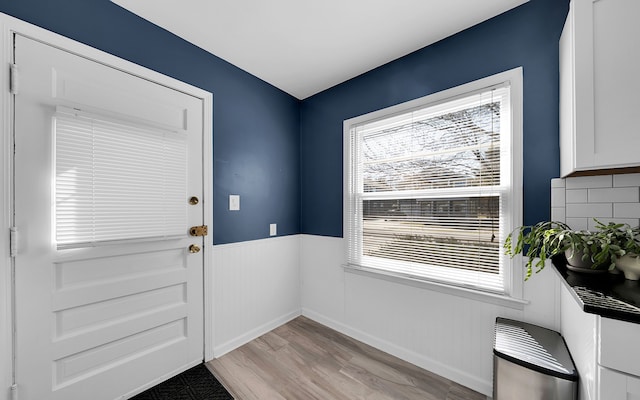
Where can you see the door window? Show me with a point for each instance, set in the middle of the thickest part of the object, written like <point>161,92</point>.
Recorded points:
<point>116,180</point>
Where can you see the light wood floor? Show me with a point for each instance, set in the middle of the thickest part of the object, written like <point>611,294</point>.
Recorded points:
<point>303,360</point>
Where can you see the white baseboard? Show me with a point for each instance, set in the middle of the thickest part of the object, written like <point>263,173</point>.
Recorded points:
<point>436,367</point>
<point>219,351</point>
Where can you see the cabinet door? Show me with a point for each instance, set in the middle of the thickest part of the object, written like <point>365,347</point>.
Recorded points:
<point>616,63</point>
<point>617,346</point>
<point>617,386</point>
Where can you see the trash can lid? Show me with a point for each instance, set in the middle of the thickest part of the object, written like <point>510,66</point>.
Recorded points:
<point>534,347</point>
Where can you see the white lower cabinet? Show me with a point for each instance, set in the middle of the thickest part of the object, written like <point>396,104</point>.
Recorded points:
<point>614,385</point>
<point>617,346</point>
<point>603,350</point>
<point>579,331</point>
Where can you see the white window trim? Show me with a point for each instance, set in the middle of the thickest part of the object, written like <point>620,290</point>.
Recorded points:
<point>513,274</point>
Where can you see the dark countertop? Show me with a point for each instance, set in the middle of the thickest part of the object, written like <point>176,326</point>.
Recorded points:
<point>606,294</point>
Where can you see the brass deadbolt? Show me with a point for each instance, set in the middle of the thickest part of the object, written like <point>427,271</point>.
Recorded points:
<point>194,248</point>
<point>198,230</point>
<point>194,200</point>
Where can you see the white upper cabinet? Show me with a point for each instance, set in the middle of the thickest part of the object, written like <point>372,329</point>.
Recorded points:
<point>600,86</point>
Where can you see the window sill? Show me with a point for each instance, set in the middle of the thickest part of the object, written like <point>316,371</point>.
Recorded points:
<point>472,294</point>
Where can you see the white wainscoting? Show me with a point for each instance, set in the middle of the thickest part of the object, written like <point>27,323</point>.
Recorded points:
<point>443,333</point>
<point>256,288</point>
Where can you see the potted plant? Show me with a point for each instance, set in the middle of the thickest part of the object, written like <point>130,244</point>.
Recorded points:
<point>628,260</point>
<point>591,251</point>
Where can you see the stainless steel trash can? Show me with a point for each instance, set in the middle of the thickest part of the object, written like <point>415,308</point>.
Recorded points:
<point>531,363</point>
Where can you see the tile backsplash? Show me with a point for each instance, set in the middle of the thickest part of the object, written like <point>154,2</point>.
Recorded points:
<point>576,201</point>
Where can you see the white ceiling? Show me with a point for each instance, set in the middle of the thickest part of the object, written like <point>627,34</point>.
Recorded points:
<point>304,47</point>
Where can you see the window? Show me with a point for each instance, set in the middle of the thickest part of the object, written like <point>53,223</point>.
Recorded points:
<point>433,185</point>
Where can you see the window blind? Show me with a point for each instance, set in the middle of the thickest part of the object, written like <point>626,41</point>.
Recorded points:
<point>427,190</point>
<point>116,180</point>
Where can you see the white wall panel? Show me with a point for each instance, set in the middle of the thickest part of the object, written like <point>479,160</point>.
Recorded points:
<point>542,291</point>
<point>447,334</point>
<point>256,287</point>
<point>322,275</point>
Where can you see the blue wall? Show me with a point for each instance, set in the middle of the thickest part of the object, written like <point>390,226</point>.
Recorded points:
<point>526,36</point>
<point>284,157</point>
<point>255,126</point>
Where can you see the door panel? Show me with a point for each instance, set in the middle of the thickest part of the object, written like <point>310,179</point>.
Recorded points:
<point>102,319</point>
<point>77,88</point>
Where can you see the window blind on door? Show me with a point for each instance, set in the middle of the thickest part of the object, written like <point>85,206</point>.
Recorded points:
<point>116,180</point>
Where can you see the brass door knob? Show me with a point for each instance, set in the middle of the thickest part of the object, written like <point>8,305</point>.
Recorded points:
<point>194,248</point>
<point>193,201</point>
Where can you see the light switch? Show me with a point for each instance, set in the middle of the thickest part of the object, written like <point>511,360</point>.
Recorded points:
<point>273,229</point>
<point>234,202</point>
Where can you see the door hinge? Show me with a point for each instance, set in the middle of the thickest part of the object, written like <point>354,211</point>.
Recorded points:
<point>14,82</point>
<point>201,230</point>
<point>14,392</point>
<point>13,241</point>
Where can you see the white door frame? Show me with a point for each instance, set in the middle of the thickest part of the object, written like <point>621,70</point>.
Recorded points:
<point>8,26</point>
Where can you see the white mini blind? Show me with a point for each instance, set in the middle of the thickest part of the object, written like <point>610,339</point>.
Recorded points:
<point>116,180</point>
<point>427,190</point>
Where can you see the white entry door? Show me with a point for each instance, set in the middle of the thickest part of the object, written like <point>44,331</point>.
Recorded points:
<point>109,289</point>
